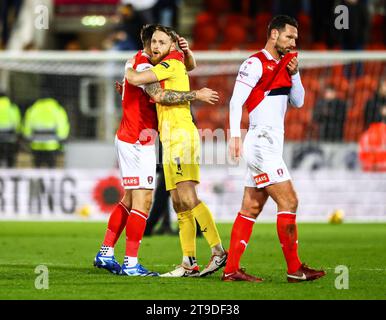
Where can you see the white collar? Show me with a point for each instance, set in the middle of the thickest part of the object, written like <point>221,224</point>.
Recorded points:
<point>269,56</point>
<point>145,54</point>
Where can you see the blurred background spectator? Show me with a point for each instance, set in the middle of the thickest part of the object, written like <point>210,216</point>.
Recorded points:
<point>10,127</point>
<point>46,127</point>
<point>126,33</point>
<point>166,12</point>
<point>9,12</point>
<point>322,14</point>
<point>144,9</point>
<point>329,115</point>
<point>375,105</point>
<point>356,35</point>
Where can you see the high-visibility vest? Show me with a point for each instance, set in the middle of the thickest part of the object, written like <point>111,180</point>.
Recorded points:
<point>10,123</point>
<point>46,125</point>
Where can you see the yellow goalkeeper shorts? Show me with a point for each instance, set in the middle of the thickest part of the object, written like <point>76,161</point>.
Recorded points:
<point>181,162</point>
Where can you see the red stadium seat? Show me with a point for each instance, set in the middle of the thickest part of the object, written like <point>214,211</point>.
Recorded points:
<point>295,131</point>
<point>239,19</point>
<point>311,83</point>
<point>204,36</point>
<point>338,71</point>
<point>217,6</point>
<point>304,21</point>
<point>254,46</point>
<point>340,84</point>
<point>205,18</point>
<point>262,20</point>
<point>364,83</point>
<point>377,46</point>
<point>319,46</point>
<point>259,28</point>
<point>235,37</point>
<point>201,46</point>
<point>374,69</point>
<point>377,28</point>
<point>309,99</point>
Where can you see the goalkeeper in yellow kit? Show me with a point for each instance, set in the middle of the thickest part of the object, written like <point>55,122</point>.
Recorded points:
<point>181,154</point>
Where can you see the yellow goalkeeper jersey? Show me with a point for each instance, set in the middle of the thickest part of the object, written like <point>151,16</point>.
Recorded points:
<point>172,74</point>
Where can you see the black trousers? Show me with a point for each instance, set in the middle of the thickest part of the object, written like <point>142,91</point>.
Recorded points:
<point>8,153</point>
<point>47,158</point>
<point>160,209</point>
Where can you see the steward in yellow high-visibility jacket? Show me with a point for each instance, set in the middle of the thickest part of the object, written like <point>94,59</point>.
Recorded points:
<point>46,126</point>
<point>10,128</point>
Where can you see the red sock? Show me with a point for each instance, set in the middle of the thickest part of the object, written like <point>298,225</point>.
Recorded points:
<point>116,224</point>
<point>135,227</point>
<point>288,236</point>
<point>241,233</point>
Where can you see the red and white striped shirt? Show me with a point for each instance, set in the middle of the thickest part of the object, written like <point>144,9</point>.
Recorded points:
<point>264,86</point>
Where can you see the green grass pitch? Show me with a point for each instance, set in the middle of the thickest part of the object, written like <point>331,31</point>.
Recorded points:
<point>68,249</point>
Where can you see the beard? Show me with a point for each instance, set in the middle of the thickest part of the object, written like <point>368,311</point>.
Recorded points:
<point>158,57</point>
<point>282,50</point>
<point>155,59</point>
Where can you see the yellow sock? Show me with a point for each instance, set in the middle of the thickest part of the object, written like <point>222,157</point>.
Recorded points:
<point>187,226</point>
<point>208,227</point>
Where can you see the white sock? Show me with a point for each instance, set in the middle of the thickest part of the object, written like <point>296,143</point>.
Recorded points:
<point>189,261</point>
<point>130,261</point>
<point>217,249</point>
<point>106,250</point>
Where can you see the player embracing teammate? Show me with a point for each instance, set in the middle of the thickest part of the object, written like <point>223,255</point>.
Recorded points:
<point>181,154</point>
<point>135,149</point>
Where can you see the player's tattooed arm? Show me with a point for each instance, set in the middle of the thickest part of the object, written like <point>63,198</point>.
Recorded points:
<point>171,97</point>
<point>168,97</point>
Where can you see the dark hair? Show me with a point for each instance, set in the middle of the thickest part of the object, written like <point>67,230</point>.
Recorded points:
<point>169,31</point>
<point>279,22</point>
<point>146,33</point>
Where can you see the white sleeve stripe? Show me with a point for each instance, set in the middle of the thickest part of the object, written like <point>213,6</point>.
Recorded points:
<point>143,66</point>
<point>244,83</point>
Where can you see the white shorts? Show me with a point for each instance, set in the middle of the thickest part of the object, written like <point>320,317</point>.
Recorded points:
<point>263,152</point>
<point>137,164</point>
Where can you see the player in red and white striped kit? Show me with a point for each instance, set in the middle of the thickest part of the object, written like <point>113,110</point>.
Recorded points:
<point>266,82</point>
<point>135,147</point>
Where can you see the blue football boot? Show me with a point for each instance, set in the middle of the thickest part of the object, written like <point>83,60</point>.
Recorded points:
<point>107,262</point>
<point>137,271</point>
